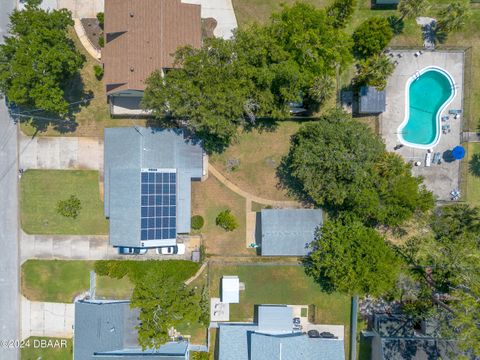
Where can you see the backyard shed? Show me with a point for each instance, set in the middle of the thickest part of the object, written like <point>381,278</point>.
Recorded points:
<point>287,232</point>
<point>230,289</point>
<point>371,100</point>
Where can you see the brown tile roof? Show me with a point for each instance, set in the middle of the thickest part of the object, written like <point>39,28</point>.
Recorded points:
<point>142,35</point>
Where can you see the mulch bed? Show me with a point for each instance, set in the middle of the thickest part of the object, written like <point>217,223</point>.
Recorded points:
<point>92,30</point>
<point>208,25</point>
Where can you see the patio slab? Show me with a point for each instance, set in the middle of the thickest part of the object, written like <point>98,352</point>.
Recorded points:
<point>440,179</point>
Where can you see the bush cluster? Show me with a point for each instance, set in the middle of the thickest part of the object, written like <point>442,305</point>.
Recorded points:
<point>197,222</point>
<point>226,220</point>
<point>70,207</point>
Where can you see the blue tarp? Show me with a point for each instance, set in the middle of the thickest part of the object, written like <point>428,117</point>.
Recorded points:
<point>458,152</point>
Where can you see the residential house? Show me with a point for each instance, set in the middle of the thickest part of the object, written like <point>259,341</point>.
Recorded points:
<point>273,337</point>
<point>287,232</point>
<point>141,36</point>
<point>147,184</point>
<point>105,330</point>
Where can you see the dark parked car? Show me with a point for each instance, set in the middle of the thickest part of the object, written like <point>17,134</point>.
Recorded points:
<point>313,334</point>
<point>131,251</point>
<point>327,335</point>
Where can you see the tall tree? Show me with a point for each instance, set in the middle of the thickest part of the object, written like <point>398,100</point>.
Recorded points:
<point>38,59</point>
<point>332,159</point>
<point>372,36</point>
<point>448,267</point>
<point>352,258</point>
<point>224,85</point>
<point>163,303</point>
<point>375,71</point>
<point>453,16</point>
<point>412,8</point>
<point>341,11</point>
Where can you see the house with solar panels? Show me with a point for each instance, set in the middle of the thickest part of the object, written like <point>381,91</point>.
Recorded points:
<point>147,184</point>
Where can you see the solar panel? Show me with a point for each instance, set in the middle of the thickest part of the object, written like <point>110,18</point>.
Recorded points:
<point>159,205</point>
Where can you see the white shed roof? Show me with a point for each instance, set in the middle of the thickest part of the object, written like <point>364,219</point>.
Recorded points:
<point>230,289</point>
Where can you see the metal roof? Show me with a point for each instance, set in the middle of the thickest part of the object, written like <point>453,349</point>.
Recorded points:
<point>230,289</point>
<point>287,232</point>
<point>106,330</point>
<point>275,319</point>
<point>129,150</point>
<point>372,101</point>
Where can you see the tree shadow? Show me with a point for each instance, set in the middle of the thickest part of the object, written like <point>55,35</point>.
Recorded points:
<point>289,183</point>
<point>474,165</point>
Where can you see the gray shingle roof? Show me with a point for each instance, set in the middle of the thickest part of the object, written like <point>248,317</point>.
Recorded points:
<point>371,100</point>
<point>106,330</point>
<point>286,232</point>
<point>126,152</point>
<point>242,342</point>
<point>295,347</point>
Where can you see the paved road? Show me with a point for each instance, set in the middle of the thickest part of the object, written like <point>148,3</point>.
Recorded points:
<point>9,275</point>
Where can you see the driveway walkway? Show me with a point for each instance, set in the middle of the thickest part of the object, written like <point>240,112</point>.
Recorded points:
<point>9,287</point>
<point>61,153</point>
<point>46,319</point>
<point>220,10</point>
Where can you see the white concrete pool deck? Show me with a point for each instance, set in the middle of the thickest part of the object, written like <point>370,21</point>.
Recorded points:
<point>440,179</point>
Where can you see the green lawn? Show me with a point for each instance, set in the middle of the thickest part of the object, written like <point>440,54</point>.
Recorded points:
<point>33,349</point>
<point>282,285</point>
<point>259,153</point>
<point>41,190</point>
<point>209,198</point>
<point>473,182</point>
<point>62,280</point>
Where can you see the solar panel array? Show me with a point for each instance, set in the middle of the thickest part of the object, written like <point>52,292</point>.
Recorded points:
<point>159,205</point>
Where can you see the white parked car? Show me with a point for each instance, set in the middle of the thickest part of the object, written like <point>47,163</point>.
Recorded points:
<point>178,249</point>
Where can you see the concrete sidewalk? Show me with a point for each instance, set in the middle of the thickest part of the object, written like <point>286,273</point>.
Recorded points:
<point>46,319</point>
<point>61,153</point>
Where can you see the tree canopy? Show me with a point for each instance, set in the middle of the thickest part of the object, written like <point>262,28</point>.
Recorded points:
<point>341,11</point>
<point>447,267</point>
<point>372,36</point>
<point>224,85</point>
<point>352,258</point>
<point>37,58</point>
<point>375,71</point>
<point>340,164</point>
<point>412,8</point>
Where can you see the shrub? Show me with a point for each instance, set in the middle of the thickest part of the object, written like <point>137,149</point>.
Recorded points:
<point>98,70</point>
<point>196,355</point>
<point>197,222</point>
<point>226,220</point>
<point>101,19</point>
<point>372,36</point>
<point>70,207</point>
<point>396,24</point>
<point>101,41</point>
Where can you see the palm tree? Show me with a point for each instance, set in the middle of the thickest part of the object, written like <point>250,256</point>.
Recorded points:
<point>374,71</point>
<point>452,18</point>
<point>412,8</point>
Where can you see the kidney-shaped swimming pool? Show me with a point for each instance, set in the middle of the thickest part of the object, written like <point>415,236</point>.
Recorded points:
<point>427,93</point>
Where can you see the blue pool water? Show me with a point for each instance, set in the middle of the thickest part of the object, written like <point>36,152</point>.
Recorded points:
<point>427,96</point>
